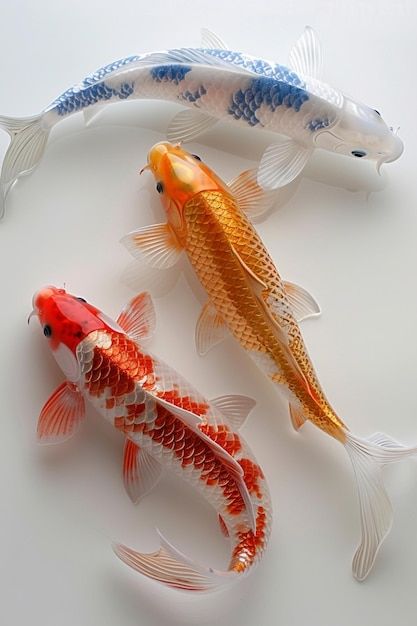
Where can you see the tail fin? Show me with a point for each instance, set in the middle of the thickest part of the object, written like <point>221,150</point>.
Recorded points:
<point>368,456</point>
<point>170,567</point>
<point>28,140</point>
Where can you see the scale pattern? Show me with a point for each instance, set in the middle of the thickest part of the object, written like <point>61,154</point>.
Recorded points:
<point>214,225</point>
<point>123,382</point>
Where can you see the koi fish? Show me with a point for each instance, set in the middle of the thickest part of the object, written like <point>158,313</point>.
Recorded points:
<point>216,83</point>
<point>248,299</point>
<point>166,424</point>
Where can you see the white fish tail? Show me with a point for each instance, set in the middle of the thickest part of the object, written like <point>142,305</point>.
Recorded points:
<point>28,139</point>
<point>172,568</point>
<point>368,456</point>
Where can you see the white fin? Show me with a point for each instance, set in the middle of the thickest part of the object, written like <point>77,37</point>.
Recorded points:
<point>189,124</point>
<point>306,56</point>
<point>192,421</point>
<point>141,471</point>
<point>235,408</point>
<point>302,303</point>
<point>210,329</point>
<point>138,317</point>
<point>188,56</point>
<point>368,456</point>
<point>28,140</point>
<point>139,276</point>
<point>297,417</point>
<point>211,40</point>
<point>157,245</point>
<point>251,198</point>
<point>281,163</point>
<point>171,567</point>
<point>91,113</point>
<point>61,415</point>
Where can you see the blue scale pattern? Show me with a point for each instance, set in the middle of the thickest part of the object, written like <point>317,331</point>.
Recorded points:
<point>193,96</point>
<point>76,99</point>
<point>269,91</point>
<point>318,123</point>
<point>98,75</point>
<point>170,73</point>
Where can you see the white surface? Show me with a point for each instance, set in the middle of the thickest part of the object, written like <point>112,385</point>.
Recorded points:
<point>61,506</point>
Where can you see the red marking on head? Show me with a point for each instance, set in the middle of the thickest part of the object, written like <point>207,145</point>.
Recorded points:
<point>65,318</point>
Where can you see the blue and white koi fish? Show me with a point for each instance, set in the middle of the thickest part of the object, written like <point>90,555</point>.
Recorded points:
<point>216,83</point>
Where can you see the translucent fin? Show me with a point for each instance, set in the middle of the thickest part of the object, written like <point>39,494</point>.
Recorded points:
<point>223,527</point>
<point>28,140</point>
<point>171,567</point>
<point>210,329</point>
<point>91,112</point>
<point>192,421</point>
<point>139,276</point>
<point>141,471</point>
<point>211,40</point>
<point>157,245</point>
<point>251,198</point>
<point>306,56</point>
<point>367,457</point>
<point>297,417</point>
<point>189,124</point>
<point>138,317</point>
<point>281,163</point>
<point>61,415</point>
<point>302,302</point>
<point>234,408</point>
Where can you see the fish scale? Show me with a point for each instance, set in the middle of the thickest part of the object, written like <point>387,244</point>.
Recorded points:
<point>117,377</point>
<point>214,225</point>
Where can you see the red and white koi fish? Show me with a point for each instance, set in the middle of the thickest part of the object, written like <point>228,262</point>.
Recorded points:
<point>166,423</point>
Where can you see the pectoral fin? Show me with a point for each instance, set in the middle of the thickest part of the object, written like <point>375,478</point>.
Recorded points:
<point>297,417</point>
<point>281,163</point>
<point>251,198</point>
<point>234,408</point>
<point>210,329</point>
<point>157,245</point>
<point>138,318</point>
<point>189,124</point>
<point>61,415</point>
<point>141,471</point>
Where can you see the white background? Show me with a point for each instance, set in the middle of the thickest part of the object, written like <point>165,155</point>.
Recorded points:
<point>61,507</point>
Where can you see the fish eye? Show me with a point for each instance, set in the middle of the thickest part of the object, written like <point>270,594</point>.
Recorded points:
<point>196,157</point>
<point>377,112</point>
<point>81,299</point>
<point>358,153</point>
<point>159,187</point>
<point>47,330</point>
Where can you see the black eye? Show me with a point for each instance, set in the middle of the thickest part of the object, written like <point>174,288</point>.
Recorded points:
<point>358,153</point>
<point>81,299</point>
<point>376,111</point>
<point>196,157</point>
<point>47,330</point>
<point>159,187</point>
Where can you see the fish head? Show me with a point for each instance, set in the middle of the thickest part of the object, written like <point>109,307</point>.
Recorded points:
<point>66,320</point>
<point>179,176</point>
<point>361,132</point>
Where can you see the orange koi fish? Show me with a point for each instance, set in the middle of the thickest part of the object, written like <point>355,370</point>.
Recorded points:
<point>166,424</point>
<point>208,220</point>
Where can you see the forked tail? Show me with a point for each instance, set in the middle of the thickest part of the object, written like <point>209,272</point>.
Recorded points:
<point>368,456</point>
<point>172,568</point>
<point>28,140</point>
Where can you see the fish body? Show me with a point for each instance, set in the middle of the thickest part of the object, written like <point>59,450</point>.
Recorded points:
<point>247,298</point>
<point>167,425</point>
<point>214,84</point>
